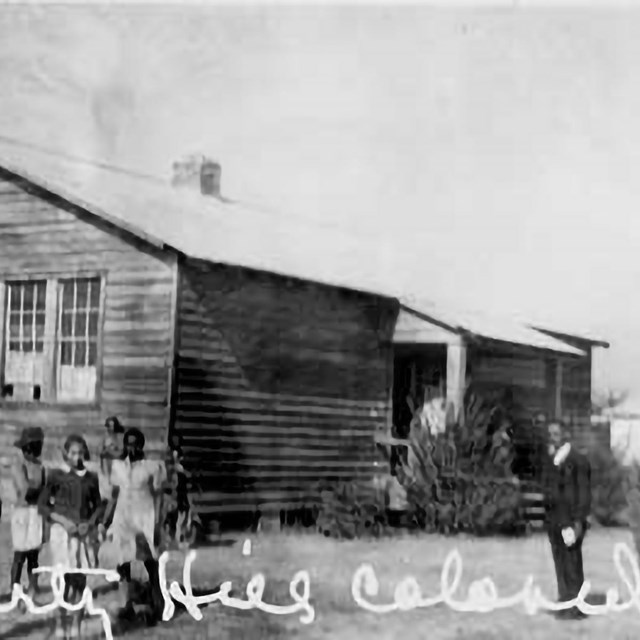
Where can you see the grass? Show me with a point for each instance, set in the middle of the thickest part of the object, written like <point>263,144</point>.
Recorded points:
<point>331,566</point>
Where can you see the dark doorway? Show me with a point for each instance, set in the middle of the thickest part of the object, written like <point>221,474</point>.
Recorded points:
<point>417,368</point>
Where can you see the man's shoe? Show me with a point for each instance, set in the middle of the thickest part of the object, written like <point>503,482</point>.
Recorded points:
<point>571,614</point>
<point>576,615</point>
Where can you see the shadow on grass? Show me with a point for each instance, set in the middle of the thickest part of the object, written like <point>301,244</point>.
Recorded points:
<point>207,543</point>
<point>28,628</point>
<point>120,627</point>
<point>596,599</point>
<point>132,627</point>
<point>212,543</point>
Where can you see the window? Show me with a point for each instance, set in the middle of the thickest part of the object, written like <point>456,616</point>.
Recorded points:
<point>24,339</point>
<point>78,338</point>
<point>51,341</point>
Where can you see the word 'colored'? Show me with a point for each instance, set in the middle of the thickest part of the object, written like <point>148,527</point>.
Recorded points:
<point>483,596</point>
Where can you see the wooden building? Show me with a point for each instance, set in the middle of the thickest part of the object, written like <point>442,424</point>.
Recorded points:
<point>180,311</point>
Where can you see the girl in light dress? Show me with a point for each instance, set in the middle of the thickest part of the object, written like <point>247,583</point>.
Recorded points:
<point>133,513</point>
<point>396,500</point>
<point>27,530</point>
<point>72,504</point>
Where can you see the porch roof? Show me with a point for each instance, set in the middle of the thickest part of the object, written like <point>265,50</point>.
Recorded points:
<point>433,326</point>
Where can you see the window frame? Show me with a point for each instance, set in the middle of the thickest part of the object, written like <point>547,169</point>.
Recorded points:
<point>23,311</point>
<point>49,397</point>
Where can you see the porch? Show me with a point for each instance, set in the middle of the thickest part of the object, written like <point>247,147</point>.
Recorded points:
<point>528,374</point>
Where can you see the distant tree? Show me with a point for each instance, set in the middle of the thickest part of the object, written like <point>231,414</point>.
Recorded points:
<point>607,399</point>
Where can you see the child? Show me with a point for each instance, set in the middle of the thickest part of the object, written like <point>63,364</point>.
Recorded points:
<point>72,504</point>
<point>111,445</point>
<point>396,499</point>
<point>27,533</point>
<point>176,499</point>
<point>130,546</point>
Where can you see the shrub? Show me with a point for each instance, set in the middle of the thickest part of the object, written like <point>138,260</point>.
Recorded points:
<point>633,501</point>
<point>461,479</point>
<point>611,481</point>
<point>347,511</point>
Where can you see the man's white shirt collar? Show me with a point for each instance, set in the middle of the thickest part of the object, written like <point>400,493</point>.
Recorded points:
<point>561,454</point>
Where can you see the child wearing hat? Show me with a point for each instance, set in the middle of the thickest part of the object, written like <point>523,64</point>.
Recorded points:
<point>27,531</point>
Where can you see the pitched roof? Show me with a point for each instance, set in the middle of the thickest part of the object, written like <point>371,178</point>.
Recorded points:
<point>238,234</point>
<point>417,315</point>
<point>202,227</point>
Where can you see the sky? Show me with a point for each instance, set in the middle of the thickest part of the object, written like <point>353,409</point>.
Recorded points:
<point>491,156</point>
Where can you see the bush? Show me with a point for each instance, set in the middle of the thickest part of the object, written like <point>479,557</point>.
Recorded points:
<point>632,515</point>
<point>611,482</point>
<point>461,479</point>
<point>347,511</point>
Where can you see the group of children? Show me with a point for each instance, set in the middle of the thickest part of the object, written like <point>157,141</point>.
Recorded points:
<point>65,507</point>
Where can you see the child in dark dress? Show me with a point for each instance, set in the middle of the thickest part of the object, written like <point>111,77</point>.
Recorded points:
<point>71,502</point>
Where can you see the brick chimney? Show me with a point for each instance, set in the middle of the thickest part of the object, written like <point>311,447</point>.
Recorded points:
<point>199,172</point>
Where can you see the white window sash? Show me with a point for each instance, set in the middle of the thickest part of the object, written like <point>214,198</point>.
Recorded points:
<point>76,382</point>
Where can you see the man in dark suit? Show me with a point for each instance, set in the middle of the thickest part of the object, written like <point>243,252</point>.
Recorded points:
<point>567,487</point>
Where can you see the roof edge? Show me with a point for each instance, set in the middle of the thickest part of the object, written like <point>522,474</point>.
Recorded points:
<point>73,200</point>
<point>575,353</point>
<point>428,318</point>
<point>571,336</point>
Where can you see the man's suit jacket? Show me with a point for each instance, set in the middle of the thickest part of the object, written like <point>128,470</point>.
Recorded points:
<point>567,489</point>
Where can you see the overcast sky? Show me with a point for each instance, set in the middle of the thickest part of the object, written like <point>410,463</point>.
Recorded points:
<point>494,154</point>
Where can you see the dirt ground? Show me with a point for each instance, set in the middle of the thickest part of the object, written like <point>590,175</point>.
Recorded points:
<point>331,566</point>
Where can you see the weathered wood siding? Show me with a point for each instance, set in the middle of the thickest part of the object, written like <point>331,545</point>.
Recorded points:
<point>279,384</point>
<point>42,235</point>
<point>529,380</point>
<point>525,380</point>
<point>527,376</point>
<point>576,398</point>
<point>576,405</point>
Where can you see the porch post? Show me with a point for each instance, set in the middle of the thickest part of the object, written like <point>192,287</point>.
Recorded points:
<point>456,380</point>
<point>558,390</point>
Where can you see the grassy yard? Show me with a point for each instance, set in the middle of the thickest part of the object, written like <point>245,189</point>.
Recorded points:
<point>331,566</point>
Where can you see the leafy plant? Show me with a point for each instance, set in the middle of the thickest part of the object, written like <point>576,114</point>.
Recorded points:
<point>611,482</point>
<point>633,504</point>
<point>460,478</point>
<point>347,511</point>
<point>608,399</point>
